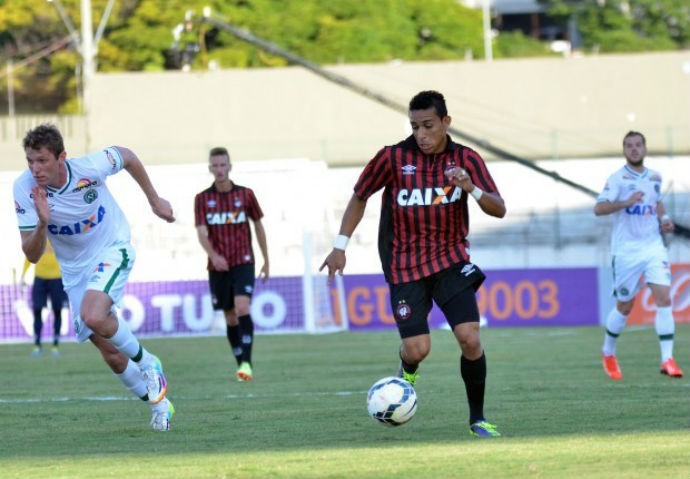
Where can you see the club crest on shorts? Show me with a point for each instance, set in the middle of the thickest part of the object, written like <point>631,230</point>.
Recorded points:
<point>403,311</point>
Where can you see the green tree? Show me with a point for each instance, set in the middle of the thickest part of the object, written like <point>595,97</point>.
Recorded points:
<point>626,25</point>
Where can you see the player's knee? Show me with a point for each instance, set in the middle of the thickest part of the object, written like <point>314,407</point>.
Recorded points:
<point>415,352</point>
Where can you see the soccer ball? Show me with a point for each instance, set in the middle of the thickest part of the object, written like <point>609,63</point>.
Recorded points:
<point>392,401</point>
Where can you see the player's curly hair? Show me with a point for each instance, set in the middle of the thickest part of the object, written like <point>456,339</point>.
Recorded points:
<point>45,136</point>
<point>427,99</point>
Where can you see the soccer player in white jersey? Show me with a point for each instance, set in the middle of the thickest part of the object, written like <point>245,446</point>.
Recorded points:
<point>66,200</point>
<point>633,196</point>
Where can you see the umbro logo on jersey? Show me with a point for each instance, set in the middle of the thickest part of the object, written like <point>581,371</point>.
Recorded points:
<point>211,203</point>
<point>429,196</point>
<point>408,169</point>
<point>468,269</point>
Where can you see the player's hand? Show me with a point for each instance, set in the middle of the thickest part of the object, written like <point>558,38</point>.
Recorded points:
<point>41,203</point>
<point>219,262</point>
<point>636,197</point>
<point>263,274</point>
<point>335,262</point>
<point>667,225</point>
<point>162,208</point>
<point>459,177</point>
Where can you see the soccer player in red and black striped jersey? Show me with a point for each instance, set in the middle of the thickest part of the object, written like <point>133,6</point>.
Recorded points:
<point>426,180</point>
<point>222,213</point>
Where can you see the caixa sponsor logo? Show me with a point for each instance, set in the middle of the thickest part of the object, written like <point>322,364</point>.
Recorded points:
<point>641,210</point>
<point>429,196</point>
<point>81,226</point>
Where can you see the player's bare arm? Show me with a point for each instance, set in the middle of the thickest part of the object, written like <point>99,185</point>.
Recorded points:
<point>354,212</point>
<point>263,246</point>
<point>490,203</point>
<point>217,260</point>
<point>160,206</point>
<point>608,207</point>
<point>34,242</point>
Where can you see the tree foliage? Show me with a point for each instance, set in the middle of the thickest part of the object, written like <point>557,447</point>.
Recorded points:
<point>139,36</point>
<point>626,25</point>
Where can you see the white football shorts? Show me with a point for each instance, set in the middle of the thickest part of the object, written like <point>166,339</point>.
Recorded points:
<point>652,264</point>
<point>109,273</point>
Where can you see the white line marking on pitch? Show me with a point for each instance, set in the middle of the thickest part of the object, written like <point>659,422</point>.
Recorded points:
<point>122,398</point>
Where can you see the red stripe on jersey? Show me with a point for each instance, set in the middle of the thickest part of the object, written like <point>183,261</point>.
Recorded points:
<point>424,218</point>
<point>226,216</point>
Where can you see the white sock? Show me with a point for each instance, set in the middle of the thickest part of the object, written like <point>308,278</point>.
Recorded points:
<point>132,379</point>
<point>615,323</point>
<point>665,327</point>
<point>124,339</point>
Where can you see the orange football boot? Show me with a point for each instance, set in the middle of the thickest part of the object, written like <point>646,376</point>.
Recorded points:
<point>670,368</point>
<point>611,367</point>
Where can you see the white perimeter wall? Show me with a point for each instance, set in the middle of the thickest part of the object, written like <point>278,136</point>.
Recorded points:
<point>299,195</point>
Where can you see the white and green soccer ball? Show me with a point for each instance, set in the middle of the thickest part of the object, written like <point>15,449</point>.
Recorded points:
<point>392,401</point>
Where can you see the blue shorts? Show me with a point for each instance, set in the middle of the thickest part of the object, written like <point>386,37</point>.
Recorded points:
<point>47,288</point>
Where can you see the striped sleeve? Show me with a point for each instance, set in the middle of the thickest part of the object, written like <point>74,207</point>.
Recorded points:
<point>376,175</point>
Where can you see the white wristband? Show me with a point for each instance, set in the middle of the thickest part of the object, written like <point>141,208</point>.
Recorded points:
<point>476,193</point>
<point>341,242</point>
<point>664,217</point>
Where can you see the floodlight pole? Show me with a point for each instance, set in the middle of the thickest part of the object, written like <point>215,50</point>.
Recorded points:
<point>88,53</point>
<point>488,46</point>
<point>87,47</point>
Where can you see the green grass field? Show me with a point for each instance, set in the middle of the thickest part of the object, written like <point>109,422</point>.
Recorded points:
<point>305,415</point>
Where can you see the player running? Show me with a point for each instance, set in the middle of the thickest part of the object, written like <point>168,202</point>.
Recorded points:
<point>66,200</point>
<point>426,180</point>
<point>632,195</point>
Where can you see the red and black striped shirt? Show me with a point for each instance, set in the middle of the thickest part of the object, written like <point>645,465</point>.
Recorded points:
<point>424,218</point>
<point>226,215</point>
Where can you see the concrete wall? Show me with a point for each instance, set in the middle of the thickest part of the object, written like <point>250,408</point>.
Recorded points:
<point>534,108</point>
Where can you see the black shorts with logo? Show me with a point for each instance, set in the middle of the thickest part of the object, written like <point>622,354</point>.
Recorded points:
<point>225,285</point>
<point>412,302</point>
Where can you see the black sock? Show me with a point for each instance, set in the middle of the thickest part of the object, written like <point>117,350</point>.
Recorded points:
<point>247,326</point>
<point>474,375</point>
<point>38,326</point>
<point>233,334</point>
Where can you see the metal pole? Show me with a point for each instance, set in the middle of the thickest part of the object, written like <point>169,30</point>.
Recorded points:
<point>488,47</point>
<point>10,90</point>
<point>88,58</point>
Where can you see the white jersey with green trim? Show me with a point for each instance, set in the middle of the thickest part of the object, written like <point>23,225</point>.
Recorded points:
<point>635,227</point>
<point>84,216</point>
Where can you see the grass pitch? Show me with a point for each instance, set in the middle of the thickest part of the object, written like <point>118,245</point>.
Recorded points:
<point>305,415</point>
